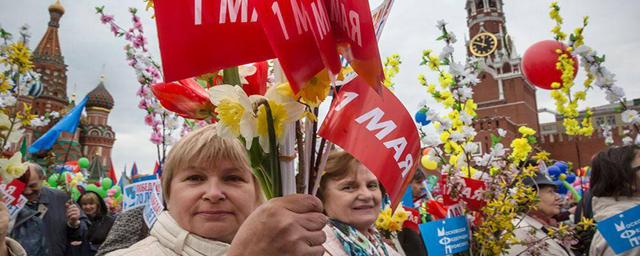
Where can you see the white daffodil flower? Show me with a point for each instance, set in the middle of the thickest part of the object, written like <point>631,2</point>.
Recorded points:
<point>284,111</point>
<point>235,113</point>
<point>12,168</point>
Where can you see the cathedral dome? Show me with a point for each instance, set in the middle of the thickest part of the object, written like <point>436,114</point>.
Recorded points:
<point>56,7</point>
<point>100,97</point>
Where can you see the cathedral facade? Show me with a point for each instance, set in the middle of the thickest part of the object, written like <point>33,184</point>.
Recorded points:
<point>94,139</point>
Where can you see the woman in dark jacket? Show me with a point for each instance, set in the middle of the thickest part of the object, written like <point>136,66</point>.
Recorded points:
<point>100,222</point>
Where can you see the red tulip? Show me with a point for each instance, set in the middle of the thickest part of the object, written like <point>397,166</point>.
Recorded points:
<point>539,63</point>
<point>185,97</point>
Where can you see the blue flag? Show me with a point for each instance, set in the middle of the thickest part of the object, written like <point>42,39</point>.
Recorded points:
<point>68,123</point>
<point>134,170</point>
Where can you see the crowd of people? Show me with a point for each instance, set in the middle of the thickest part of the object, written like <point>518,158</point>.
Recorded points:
<point>214,205</point>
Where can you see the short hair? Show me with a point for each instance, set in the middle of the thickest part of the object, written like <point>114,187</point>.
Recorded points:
<point>32,168</point>
<point>340,164</point>
<point>205,146</point>
<point>612,174</point>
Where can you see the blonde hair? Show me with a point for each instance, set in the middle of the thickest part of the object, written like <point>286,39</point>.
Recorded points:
<point>205,146</point>
<point>340,164</point>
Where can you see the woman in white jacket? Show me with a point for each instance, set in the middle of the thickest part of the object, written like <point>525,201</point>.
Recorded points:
<point>214,207</point>
<point>615,184</point>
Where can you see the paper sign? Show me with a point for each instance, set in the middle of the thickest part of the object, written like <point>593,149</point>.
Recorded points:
<point>413,221</point>
<point>622,231</point>
<point>153,209</point>
<point>445,237</point>
<point>378,131</point>
<point>139,193</point>
<point>14,209</point>
<point>198,37</point>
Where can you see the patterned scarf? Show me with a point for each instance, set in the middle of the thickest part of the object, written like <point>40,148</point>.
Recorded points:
<point>356,243</point>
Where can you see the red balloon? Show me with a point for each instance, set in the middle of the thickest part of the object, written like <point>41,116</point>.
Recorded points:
<point>539,64</point>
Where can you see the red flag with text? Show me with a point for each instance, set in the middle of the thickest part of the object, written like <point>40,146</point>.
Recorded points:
<point>288,31</point>
<point>356,38</point>
<point>323,34</point>
<point>198,37</point>
<point>471,193</point>
<point>377,130</point>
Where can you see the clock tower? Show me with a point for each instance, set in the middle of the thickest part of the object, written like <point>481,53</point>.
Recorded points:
<point>505,99</point>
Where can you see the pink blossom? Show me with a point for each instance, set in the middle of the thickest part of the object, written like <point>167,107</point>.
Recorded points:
<point>156,138</point>
<point>114,29</point>
<point>142,104</point>
<point>139,41</point>
<point>106,18</point>
<point>149,120</point>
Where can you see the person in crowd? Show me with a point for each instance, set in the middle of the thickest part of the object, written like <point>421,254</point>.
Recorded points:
<point>215,207</point>
<point>351,196</point>
<point>100,222</point>
<point>615,186</point>
<point>128,228</point>
<point>50,220</point>
<point>418,189</point>
<point>534,226</point>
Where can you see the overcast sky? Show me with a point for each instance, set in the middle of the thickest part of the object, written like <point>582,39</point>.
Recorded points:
<point>90,50</point>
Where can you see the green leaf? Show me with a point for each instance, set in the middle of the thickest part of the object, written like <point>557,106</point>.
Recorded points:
<point>532,139</point>
<point>99,9</point>
<point>442,37</point>
<point>445,61</point>
<point>495,139</point>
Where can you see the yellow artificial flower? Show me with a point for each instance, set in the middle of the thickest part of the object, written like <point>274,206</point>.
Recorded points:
<point>521,149</point>
<point>422,79</point>
<point>542,156</point>
<point>4,84</point>
<point>25,116</point>
<point>18,55</point>
<point>12,168</point>
<point>316,89</point>
<point>526,131</point>
<point>235,113</point>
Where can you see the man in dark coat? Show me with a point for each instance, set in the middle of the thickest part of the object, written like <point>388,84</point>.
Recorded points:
<point>48,219</point>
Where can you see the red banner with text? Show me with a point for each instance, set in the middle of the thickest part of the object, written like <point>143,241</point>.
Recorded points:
<point>354,31</point>
<point>377,130</point>
<point>471,193</point>
<point>198,37</point>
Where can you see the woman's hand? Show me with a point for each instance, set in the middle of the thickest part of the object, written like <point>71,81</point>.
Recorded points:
<point>290,225</point>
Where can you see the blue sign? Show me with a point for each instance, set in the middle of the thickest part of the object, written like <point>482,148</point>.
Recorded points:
<point>407,199</point>
<point>622,231</point>
<point>445,237</point>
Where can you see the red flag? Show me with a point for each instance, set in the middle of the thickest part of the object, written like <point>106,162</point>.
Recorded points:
<point>323,34</point>
<point>354,31</point>
<point>471,193</point>
<point>112,174</point>
<point>378,131</point>
<point>286,26</point>
<point>198,37</point>
<point>258,81</point>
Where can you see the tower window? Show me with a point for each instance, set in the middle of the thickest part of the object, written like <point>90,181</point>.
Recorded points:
<point>492,4</point>
<point>479,4</point>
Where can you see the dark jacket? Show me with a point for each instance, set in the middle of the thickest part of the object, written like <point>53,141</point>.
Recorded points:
<point>128,229</point>
<point>27,224</point>
<point>32,225</point>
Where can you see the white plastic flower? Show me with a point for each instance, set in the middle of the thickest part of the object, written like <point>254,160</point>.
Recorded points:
<point>630,116</point>
<point>502,132</point>
<point>440,24</point>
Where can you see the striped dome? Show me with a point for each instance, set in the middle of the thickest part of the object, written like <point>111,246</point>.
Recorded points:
<point>100,97</point>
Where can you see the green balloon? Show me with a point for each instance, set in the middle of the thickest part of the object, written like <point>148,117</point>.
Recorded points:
<point>83,162</point>
<point>53,180</point>
<point>106,184</point>
<point>118,191</point>
<point>94,188</point>
<point>75,193</point>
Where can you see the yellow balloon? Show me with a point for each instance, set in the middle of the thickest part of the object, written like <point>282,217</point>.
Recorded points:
<point>428,163</point>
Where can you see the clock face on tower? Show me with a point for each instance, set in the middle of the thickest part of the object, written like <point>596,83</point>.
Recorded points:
<point>483,44</point>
